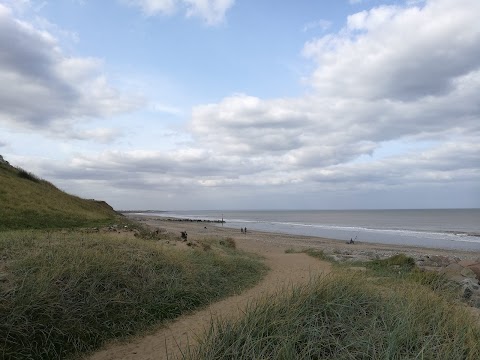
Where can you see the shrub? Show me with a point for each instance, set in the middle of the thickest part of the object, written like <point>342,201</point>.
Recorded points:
<point>27,175</point>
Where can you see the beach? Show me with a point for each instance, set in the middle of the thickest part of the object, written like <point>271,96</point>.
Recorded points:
<point>258,241</point>
<point>288,267</point>
<point>457,229</point>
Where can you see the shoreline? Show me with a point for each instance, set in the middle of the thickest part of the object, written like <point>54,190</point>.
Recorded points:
<point>199,229</point>
<point>387,231</point>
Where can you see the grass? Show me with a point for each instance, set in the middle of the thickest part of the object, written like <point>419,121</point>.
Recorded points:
<point>318,254</point>
<point>345,316</point>
<point>29,202</point>
<point>392,311</point>
<point>399,264</point>
<point>402,268</point>
<point>398,267</point>
<point>66,293</point>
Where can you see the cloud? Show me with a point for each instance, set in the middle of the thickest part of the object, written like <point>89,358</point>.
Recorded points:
<point>317,131</point>
<point>47,88</point>
<point>406,77</point>
<point>189,170</point>
<point>248,125</point>
<point>433,166</point>
<point>212,12</point>
<point>102,135</point>
<point>374,83</point>
<point>398,53</point>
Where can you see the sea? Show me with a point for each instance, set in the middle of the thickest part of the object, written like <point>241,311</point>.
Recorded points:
<point>433,228</point>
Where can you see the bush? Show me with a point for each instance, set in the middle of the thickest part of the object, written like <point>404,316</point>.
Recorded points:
<point>27,175</point>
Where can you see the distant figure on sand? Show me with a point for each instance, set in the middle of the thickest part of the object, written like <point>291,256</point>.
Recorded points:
<point>245,230</point>
<point>241,230</point>
<point>351,241</point>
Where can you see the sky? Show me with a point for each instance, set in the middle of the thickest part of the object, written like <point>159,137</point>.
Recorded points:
<point>245,104</point>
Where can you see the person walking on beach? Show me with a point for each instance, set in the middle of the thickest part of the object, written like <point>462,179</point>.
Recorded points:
<point>245,229</point>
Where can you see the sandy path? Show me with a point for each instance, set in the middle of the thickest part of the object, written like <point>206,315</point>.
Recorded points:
<point>166,342</point>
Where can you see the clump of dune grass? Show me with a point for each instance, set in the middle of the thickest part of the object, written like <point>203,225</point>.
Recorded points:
<point>399,263</point>
<point>226,244</point>
<point>319,254</point>
<point>63,293</point>
<point>344,316</point>
<point>147,233</point>
<point>435,281</point>
<point>402,268</point>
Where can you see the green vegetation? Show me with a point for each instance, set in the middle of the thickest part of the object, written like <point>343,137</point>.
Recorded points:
<point>28,202</point>
<point>319,254</point>
<point>402,268</point>
<point>64,293</point>
<point>399,264</point>
<point>398,267</point>
<point>347,316</point>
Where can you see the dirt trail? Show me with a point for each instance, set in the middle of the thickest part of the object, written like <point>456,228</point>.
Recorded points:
<point>286,269</point>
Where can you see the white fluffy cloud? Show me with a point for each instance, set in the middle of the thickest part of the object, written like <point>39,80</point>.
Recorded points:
<point>42,87</point>
<point>408,74</point>
<point>399,53</point>
<point>212,12</point>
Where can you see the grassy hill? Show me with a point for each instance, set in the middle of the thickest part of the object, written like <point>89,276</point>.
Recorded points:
<point>28,202</point>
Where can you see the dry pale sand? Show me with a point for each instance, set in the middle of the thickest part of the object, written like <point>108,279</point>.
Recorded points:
<point>173,338</point>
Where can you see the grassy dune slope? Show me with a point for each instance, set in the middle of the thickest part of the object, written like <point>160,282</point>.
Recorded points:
<point>29,202</point>
<point>64,293</point>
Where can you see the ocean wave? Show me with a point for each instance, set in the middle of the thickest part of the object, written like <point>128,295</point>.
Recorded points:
<point>361,229</point>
